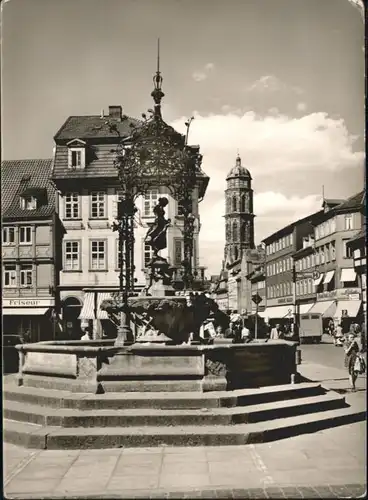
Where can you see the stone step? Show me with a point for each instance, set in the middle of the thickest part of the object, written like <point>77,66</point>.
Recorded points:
<point>33,436</point>
<point>160,417</point>
<point>159,400</point>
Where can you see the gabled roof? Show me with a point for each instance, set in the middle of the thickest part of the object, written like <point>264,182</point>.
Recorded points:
<point>94,127</point>
<point>354,202</point>
<point>24,176</point>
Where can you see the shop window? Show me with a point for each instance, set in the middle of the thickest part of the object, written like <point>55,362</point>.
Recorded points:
<point>26,275</point>
<point>25,235</point>
<point>10,276</point>
<point>71,206</point>
<point>8,236</point>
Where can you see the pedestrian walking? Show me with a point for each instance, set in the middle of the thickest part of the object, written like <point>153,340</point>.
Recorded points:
<point>338,337</point>
<point>351,353</point>
<point>275,332</point>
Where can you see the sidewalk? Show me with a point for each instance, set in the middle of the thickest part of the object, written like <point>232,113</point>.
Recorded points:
<point>327,464</point>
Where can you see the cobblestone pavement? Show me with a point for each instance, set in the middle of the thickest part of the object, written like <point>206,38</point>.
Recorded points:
<point>326,464</point>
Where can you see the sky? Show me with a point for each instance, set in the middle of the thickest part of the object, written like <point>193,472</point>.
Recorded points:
<point>280,81</point>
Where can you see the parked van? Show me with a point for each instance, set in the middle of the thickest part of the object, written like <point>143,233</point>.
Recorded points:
<point>310,327</point>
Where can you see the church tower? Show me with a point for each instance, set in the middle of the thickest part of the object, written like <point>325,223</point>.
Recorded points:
<point>239,217</point>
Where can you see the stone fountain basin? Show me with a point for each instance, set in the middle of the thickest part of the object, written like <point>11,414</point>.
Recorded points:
<point>99,367</point>
<point>169,316</point>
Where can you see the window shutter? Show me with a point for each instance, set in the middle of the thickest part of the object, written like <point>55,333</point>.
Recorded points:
<point>115,209</point>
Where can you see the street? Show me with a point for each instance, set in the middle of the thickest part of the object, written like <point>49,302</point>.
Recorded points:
<point>324,353</point>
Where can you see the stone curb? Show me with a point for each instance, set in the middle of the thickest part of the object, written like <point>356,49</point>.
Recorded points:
<point>307,491</point>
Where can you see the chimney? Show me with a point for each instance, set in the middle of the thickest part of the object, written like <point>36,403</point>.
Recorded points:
<point>116,112</point>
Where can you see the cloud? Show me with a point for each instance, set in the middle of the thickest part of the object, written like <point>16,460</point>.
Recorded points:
<point>201,75</point>
<point>274,148</point>
<point>301,106</point>
<point>270,83</point>
<point>270,202</point>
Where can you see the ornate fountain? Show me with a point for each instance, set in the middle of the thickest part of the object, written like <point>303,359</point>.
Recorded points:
<point>156,155</point>
<point>157,346</point>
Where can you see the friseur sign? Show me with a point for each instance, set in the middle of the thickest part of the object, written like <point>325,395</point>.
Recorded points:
<point>340,293</point>
<point>28,302</point>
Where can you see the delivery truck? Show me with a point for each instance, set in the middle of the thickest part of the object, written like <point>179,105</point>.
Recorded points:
<point>310,327</point>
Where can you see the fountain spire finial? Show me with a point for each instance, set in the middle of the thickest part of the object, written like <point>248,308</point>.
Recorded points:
<point>157,93</point>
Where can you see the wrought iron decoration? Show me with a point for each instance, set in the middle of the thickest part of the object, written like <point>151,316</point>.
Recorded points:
<point>153,155</point>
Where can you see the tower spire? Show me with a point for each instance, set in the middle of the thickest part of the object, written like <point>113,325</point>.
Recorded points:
<point>157,93</point>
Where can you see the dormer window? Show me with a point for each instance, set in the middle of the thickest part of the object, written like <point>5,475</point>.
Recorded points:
<point>28,203</point>
<point>76,154</point>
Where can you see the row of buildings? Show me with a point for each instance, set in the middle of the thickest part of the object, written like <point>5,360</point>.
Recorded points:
<point>315,264</point>
<point>60,257</point>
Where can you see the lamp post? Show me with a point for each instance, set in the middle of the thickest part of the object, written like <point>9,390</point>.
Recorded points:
<point>125,227</point>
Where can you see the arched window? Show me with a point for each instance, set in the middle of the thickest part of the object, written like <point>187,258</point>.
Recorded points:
<point>235,231</point>
<point>242,203</point>
<point>236,253</point>
<point>235,204</point>
<point>242,233</point>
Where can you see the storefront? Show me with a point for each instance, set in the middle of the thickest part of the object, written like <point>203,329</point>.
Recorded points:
<point>94,318</point>
<point>342,303</point>
<point>33,318</point>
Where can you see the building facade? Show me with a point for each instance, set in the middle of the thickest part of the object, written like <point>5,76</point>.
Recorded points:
<point>281,247</point>
<point>30,242</point>
<point>88,192</point>
<point>358,246</point>
<point>338,293</point>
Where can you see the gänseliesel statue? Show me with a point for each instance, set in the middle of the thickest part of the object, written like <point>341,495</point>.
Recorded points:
<point>156,235</point>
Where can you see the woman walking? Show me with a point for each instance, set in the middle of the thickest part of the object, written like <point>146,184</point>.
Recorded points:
<point>351,352</point>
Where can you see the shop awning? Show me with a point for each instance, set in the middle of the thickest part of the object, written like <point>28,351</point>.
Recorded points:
<point>318,280</point>
<point>25,311</point>
<point>328,277</point>
<point>101,297</point>
<point>304,308</point>
<point>350,306</point>
<point>326,308</point>
<point>278,312</point>
<point>88,309</point>
<point>348,274</point>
